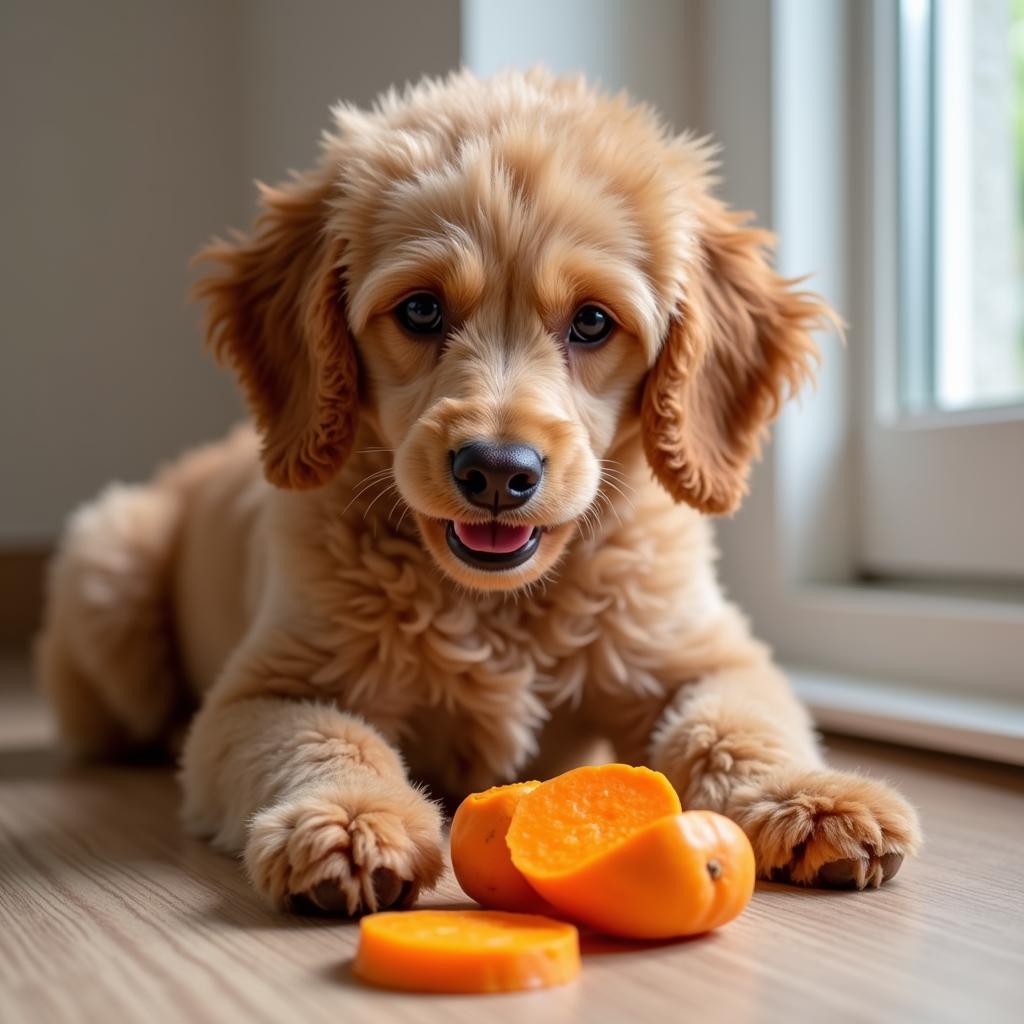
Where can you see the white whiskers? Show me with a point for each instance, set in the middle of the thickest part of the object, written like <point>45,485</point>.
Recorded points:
<point>367,483</point>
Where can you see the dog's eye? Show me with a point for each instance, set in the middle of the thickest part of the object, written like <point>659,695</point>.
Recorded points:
<point>420,313</point>
<point>590,325</point>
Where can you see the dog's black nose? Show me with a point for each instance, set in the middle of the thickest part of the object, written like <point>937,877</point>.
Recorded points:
<point>497,476</point>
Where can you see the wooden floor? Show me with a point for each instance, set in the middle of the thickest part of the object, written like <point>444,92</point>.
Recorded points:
<point>109,913</point>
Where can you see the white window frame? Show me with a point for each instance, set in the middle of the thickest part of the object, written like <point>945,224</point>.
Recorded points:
<point>925,668</point>
<point>941,493</point>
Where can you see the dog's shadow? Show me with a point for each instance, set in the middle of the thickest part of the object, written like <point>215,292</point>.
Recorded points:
<point>36,763</point>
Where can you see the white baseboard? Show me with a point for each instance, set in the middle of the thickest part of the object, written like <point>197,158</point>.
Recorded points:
<point>872,709</point>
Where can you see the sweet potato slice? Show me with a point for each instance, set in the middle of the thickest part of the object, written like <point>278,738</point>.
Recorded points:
<point>480,857</point>
<point>680,875</point>
<point>465,951</point>
<point>584,812</point>
<point>608,847</point>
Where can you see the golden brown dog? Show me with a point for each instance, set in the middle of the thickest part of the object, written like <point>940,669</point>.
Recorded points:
<point>467,338</point>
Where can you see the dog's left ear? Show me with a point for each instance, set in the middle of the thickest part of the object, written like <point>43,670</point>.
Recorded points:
<point>275,313</point>
<point>737,347</point>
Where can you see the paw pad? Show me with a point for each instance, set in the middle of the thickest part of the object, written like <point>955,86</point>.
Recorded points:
<point>328,897</point>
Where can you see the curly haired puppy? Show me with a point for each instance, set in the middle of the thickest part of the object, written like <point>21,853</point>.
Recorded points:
<point>504,351</point>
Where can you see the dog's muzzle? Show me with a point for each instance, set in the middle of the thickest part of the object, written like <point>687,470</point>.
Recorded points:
<point>498,478</point>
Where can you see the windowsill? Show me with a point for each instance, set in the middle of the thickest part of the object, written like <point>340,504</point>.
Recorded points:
<point>1002,592</point>
<point>977,727</point>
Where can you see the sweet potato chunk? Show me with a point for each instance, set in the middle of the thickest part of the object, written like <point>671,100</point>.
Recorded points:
<point>480,857</point>
<point>609,848</point>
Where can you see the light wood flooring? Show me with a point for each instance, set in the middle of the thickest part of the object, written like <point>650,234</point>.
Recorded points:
<point>109,913</point>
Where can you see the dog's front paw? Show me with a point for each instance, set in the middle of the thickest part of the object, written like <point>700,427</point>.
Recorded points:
<point>347,848</point>
<point>831,829</point>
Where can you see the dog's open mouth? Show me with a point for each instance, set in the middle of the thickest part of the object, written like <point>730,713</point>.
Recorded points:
<point>492,545</point>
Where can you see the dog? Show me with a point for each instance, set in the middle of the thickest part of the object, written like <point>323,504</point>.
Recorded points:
<point>505,354</point>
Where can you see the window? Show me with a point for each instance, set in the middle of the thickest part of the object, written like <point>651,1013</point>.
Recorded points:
<point>961,156</point>
<point>881,550</point>
<point>942,457</point>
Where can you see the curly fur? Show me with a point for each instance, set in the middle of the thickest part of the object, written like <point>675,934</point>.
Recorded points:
<point>338,647</point>
<point>800,821</point>
<point>274,315</point>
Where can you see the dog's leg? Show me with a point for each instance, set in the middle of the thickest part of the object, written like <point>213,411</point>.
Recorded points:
<point>103,653</point>
<point>738,741</point>
<point>316,800</point>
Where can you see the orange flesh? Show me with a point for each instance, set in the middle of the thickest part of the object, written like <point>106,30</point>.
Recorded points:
<point>465,951</point>
<point>480,858</point>
<point>580,815</point>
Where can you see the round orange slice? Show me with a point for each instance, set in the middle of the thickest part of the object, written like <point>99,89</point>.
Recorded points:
<point>465,951</point>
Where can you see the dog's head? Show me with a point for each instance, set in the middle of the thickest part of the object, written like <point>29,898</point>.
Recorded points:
<point>500,278</point>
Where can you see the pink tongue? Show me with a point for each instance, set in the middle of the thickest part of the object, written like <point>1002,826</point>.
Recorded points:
<point>495,537</point>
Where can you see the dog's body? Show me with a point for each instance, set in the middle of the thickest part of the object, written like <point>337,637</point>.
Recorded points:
<point>334,621</point>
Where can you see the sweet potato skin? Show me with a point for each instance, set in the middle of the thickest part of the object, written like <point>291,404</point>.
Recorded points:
<point>480,857</point>
<point>681,875</point>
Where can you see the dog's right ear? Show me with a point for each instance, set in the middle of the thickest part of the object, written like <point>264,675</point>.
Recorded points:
<point>275,313</point>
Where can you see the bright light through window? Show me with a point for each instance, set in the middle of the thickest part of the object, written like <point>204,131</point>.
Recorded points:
<point>962,203</point>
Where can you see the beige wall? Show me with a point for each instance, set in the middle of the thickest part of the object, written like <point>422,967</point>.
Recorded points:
<point>301,56</point>
<point>121,152</point>
<point>132,131</point>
